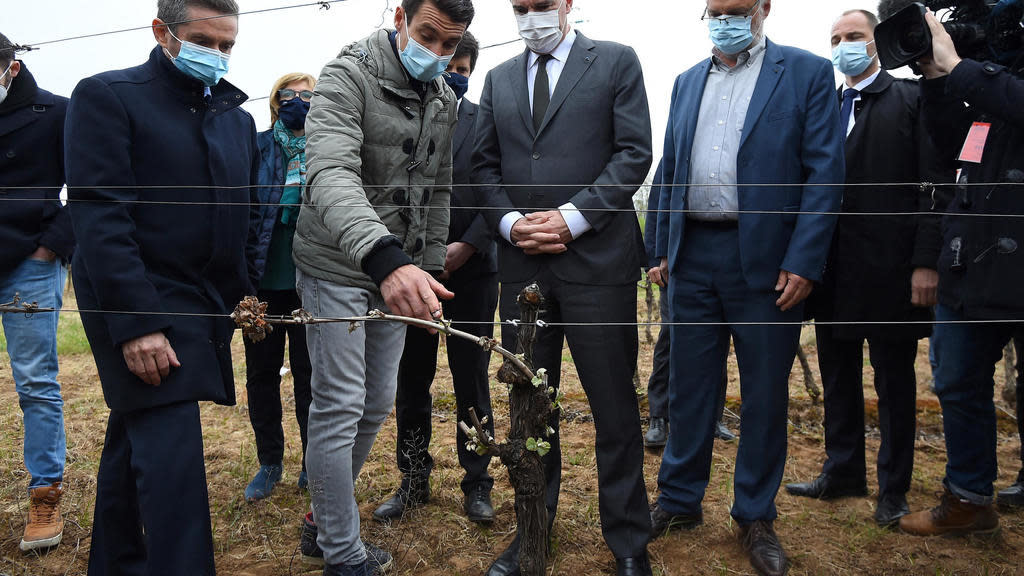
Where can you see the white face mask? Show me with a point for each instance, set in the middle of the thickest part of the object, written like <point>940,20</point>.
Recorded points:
<point>4,89</point>
<point>542,31</point>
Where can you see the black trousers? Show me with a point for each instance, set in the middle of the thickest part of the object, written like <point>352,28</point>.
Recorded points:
<point>841,363</point>
<point>605,359</point>
<point>152,513</point>
<point>263,362</point>
<point>475,301</point>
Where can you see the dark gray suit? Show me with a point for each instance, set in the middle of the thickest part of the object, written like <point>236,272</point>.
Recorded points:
<point>593,149</point>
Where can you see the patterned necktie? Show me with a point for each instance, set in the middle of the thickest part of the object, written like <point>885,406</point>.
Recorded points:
<point>848,96</point>
<point>541,91</point>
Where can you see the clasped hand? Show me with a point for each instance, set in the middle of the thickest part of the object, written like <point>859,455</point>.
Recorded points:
<point>541,233</point>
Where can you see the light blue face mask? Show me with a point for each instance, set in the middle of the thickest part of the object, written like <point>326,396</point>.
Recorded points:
<point>851,58</point>
<point>204,64</point>
<point>420,62</point>
<point>732,34</point>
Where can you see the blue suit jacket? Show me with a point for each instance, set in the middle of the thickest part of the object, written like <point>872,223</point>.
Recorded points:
<point>791,136</point>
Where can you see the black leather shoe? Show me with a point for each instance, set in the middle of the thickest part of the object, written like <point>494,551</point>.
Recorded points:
<point>478,505</point>
<point>635,566</point>
<point>766,553</point>
<point>1013,497</point>
<point>827,487</point>
<point>662,522</point>
<point>890,509</point>
<point>410,494</point>
<point>657,433</point>
<point>722,432</point>
<point>508,563</point>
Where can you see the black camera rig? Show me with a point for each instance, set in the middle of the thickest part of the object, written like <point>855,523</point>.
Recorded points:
<point>981,30</point>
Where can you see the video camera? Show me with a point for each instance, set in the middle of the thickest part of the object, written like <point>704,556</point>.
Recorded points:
<point>981,30</point>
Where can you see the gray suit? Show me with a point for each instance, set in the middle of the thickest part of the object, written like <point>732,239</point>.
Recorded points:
<point>593,149</point>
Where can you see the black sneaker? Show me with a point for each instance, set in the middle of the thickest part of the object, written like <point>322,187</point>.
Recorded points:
<point>378,561</point>
<point>312,555</point>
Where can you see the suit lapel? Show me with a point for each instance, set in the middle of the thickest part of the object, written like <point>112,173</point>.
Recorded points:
<point>771,72</point>
<point>520,90</point>
<point>581,57</point>
<point>467,110</point>
<point>694,96</point>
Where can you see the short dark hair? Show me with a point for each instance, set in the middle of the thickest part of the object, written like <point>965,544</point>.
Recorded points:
<point>460,11</point>
<point>468,47</point>
<point>6,52</point>
<point>177,10</point>
<point>872,19</point>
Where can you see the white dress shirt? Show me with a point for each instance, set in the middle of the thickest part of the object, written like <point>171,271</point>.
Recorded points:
<point>575,220</point>
<point>860,88</point>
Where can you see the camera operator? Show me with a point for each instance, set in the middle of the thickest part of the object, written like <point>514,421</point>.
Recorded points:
<point>981,270</point>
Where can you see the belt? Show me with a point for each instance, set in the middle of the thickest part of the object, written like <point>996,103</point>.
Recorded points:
<point>713,224</point>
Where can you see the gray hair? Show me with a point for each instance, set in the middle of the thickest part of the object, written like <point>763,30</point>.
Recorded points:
<point>171,11</point>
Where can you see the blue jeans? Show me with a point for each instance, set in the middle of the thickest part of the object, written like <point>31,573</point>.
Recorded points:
<point>967,355</point>
<point>32,348</point>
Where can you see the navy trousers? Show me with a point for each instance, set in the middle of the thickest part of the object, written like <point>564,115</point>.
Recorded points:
<point>657,385</point>
<point>707,286</point>
<point>152,514</point>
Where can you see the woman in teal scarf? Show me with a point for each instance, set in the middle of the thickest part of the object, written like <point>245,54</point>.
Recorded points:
<point>281,177</point>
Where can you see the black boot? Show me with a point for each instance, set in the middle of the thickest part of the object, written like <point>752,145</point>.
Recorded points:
<point>412,493</point>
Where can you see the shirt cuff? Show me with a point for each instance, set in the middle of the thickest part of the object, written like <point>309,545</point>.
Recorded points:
<point>574,219</point>
<point>507,221</point>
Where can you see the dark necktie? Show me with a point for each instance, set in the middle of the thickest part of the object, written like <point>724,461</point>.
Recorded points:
<point>541,91</point>
<point>848,95</point>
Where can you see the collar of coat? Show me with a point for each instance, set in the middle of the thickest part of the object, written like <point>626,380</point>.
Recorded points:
<point>225,96</point>
<point>23,91</point>
<point>377,54</point>
<point>880,84</point>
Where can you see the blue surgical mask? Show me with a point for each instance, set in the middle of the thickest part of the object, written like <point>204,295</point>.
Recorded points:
<point>732,34</point>
<point>293,113</point>
<point>420,62</point>
<point>458,83</point>
<point>851,58</point>
<point>204,64</point>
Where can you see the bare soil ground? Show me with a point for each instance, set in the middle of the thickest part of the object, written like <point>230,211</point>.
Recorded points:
<point>262,539</point>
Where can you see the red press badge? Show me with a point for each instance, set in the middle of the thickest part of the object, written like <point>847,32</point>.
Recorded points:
<point>974,146</point>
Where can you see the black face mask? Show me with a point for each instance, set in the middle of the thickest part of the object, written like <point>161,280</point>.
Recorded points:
<point>458,83</point>
<point>293,113</point>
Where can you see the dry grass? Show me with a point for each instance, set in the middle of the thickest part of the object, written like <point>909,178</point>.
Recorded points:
<point>262,539</point>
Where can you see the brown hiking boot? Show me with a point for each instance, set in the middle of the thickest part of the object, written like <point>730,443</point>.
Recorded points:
<point>952,516</point>
<point>45,525</point>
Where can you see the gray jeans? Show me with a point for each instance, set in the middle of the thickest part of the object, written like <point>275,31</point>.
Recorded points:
<point>354,381</point>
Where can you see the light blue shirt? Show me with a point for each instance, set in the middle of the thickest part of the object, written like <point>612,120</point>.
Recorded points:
<point>723,110</point>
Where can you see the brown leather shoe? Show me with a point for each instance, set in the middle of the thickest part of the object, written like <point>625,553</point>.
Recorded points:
<point>952,516</point>
<point>45,525</point>
<point>766,553</point>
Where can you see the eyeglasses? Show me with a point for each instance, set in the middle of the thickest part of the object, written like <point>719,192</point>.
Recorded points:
<point>286,94</point>
<point>731,19</point>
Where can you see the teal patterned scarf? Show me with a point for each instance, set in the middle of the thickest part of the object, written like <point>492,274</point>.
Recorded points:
<point>294,149</point>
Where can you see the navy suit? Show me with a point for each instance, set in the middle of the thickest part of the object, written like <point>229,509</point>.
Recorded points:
<point>791,137</point>
<point>148,134</point>
<point>475,285</point>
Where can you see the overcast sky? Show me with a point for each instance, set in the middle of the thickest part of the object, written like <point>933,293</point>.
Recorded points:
<point>667,35</point>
